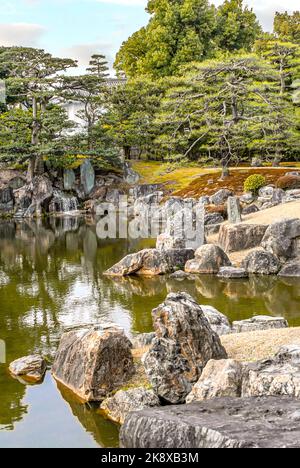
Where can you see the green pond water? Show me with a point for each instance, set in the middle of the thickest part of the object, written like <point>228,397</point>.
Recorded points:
<point>51,281</point>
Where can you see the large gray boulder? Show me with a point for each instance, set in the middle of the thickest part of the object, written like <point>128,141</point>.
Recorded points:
<point>208,260</point>
<point>221,197</point>
<point>69,179</point>
<point>218,321</point>
<point>260,322</point>
<point>213,218</point>
<point>219,423</point>
<point>261,262</point>
<point>221,378</point>
<point>7,200</point>
<point>151,262</point>
<point>291,269</point>
<point>40,192</point>
<point>184,344</point>
<point>234,210</point>
<point>250,209</point>
<point>31,368</point>
<point>233,238</point>
<point>87,176</point>
<point>281,239</point>
<point>93,363</point>
<point>130,176</point>
<point>124,402</point>
<point>274,377</point>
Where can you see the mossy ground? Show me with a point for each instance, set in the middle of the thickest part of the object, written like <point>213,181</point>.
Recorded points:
<point>196,181</point>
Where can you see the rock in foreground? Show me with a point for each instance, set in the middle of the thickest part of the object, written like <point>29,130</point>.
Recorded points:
<point>277,376</point>
<point>94,362</point>
<point>124,402</point>
<point>32,368</point>
<point>220,423</point>
<point>184,344</point>
<point>219,379</point>
<point>151,262</point>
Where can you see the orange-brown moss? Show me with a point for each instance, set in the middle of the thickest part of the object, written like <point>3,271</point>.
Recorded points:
<point>208,184</point>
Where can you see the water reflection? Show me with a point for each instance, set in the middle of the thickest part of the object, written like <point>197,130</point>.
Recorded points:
<point>51,280</point>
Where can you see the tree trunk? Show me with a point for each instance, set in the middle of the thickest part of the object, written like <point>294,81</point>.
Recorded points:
<point>34,140</point>
<point>282,79</point>
<point>225,168</point>
<point>127,152</point>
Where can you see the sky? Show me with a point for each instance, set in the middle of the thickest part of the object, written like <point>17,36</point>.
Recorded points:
<point>79,28</point>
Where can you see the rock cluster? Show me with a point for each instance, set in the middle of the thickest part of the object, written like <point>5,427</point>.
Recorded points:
<point>151,262</point>
<point>184,344</point>
<point>279,376</point>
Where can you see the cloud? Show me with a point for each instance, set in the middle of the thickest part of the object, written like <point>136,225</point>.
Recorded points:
<point>83,52</point>
<point>20,34</point>
<point>125,2</point>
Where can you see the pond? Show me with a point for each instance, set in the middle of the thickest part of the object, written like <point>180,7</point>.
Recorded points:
<point>51,281</point>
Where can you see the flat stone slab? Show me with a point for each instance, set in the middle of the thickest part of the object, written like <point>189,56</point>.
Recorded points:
<point>271,422</point>
<point>260,322</point>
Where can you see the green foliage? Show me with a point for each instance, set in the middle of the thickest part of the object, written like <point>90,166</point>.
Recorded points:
<point>237,26</point>
<point>284,56</point>
<point>287,27</point>
<point>254,182</point>
<point>130,119</point>
<point>182,31</point>
<point>225,111</point>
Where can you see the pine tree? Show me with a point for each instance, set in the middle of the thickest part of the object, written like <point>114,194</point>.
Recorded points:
<point>34,79</point>
<point>225,111</point>
<point>98,66</point>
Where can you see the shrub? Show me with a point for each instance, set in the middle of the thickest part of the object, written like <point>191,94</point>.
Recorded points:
<point>254,182</point>
<point>288,182</point>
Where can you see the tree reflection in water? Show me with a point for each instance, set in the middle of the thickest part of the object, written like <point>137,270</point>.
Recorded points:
<point>51,280</point>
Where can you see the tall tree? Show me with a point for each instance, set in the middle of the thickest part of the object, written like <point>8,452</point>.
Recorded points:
<point>182,31</point>
<point>91,92</point>
<point>35,79</point>
<point>130,119</point>
<point>284,56</point>
<point>287,27</point>
<point>237,26</point>
<point>98,66</point>
<point>178,32</point>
